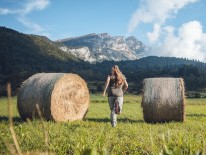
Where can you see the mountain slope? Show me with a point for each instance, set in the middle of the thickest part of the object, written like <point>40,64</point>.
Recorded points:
<point>18,50</point>
<point>101,47</point>
<point>22,55</point>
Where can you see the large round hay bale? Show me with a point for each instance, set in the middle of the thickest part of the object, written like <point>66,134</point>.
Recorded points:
<point>163,100</point>
<point>59,96</point>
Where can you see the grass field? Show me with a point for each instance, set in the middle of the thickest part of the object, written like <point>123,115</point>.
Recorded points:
<point>94,135</point>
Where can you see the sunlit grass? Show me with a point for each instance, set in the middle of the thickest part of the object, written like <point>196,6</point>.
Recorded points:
<point>95,135</point>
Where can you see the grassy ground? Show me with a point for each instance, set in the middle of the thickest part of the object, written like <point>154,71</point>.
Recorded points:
<point>94,135</point>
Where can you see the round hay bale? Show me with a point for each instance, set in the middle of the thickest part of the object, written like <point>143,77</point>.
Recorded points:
<point>59,96</point>
<point>163,100</point>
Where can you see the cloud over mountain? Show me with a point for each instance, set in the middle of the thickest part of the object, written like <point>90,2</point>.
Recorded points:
<point>153,11</point>
<point>187,41</point>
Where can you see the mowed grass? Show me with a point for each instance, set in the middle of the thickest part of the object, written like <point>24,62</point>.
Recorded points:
<point>94,134</point>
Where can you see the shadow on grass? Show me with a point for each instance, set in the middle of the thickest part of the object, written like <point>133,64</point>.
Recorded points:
<point>196,115</point>
<point>104,120</point>
<point>16,120</point>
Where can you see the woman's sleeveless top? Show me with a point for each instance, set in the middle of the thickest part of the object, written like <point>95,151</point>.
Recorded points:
<point>114,91</point>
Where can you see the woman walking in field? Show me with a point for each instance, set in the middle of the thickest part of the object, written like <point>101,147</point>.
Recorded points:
<point>117,85</point>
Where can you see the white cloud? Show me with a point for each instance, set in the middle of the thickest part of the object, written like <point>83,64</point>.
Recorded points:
<point>34,5</point>
<point>188,42</point>
<point>4,11</point>
<point>153,36</point>
<point>27,8</point>
<point>156,11</point>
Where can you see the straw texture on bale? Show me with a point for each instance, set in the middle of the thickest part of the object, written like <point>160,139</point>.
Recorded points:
<point>59,96</point>
<point>163,100</point>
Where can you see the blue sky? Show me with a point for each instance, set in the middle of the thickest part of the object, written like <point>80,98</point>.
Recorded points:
<point>169,27</point>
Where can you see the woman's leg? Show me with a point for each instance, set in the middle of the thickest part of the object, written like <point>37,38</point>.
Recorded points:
<point>113,116</point>
<point>120,102</point>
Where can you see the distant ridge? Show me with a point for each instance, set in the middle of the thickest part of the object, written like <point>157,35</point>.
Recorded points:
<point>72,38</point>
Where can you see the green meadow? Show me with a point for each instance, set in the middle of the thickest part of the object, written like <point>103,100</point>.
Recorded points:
<point>94,134</point>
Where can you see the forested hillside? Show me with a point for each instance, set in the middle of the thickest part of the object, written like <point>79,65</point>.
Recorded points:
<point>24,55</point>
<point>193,72</point>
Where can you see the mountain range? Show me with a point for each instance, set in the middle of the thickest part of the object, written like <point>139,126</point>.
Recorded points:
<point>100,47</point>
<point>22,55</point>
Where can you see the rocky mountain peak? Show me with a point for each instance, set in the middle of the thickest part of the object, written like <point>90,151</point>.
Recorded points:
<point>101,47</point>
<point>104,35</point>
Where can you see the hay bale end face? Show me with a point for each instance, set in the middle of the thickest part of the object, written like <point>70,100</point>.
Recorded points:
<point>163,100</point>
<point>59,96</point>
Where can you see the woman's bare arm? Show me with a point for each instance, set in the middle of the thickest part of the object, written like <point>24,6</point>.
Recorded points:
<point>125,86</point>
<point>106,85</point>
